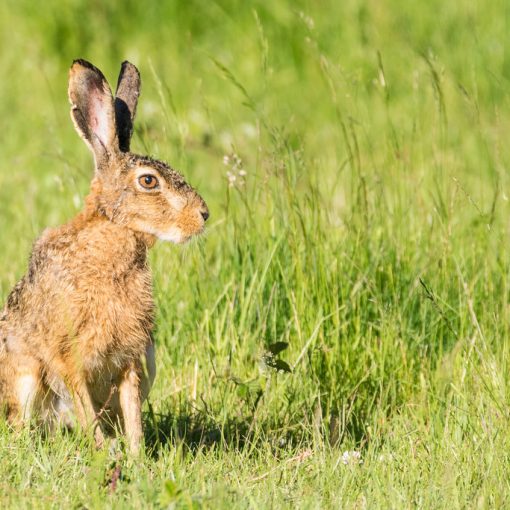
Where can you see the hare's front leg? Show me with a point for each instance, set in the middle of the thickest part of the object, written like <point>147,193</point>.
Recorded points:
<point>131,406</point>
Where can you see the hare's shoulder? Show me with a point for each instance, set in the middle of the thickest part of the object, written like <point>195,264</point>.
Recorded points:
<point>95,246</point>
<point>92,261</point>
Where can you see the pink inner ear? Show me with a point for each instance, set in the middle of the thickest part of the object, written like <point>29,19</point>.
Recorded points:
<point>99,117</point>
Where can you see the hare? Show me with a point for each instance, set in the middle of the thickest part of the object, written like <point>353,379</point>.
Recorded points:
<point>75,333</point>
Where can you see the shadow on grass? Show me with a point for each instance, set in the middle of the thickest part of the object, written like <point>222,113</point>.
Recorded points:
<point>195,431</point>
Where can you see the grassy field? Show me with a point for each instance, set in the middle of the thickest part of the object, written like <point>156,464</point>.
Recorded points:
<point>354,156</point>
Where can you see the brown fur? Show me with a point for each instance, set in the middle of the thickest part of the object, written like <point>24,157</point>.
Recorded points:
<point>75,333</point>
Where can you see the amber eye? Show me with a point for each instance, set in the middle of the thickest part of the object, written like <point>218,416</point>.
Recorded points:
<point>148,181</point>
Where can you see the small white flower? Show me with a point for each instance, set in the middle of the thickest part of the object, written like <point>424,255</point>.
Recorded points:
<point>231,178</point>
<point>352,458</point>
<point>236,174</point>
<point>238,162</point>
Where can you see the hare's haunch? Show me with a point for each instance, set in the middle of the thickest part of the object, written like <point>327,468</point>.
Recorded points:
<point>75,333</point>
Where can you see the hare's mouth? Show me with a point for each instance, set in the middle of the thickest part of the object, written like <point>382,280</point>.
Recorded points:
<point>174,235</point>
<point>177,236</point>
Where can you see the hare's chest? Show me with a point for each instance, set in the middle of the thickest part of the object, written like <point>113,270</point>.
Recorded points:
<point>119,320</point>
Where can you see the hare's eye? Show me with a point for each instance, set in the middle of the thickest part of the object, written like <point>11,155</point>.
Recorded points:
<point>148,181</point>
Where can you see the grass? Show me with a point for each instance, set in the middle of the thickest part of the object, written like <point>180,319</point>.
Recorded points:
<point>370,233</point>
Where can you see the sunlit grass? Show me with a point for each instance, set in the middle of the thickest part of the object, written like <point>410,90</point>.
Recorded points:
<point>354,158</point>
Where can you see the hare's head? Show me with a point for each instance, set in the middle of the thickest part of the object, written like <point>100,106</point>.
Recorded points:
<point>138,192</point>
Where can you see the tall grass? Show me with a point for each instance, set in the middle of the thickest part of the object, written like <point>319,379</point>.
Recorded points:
<point>363,222</point>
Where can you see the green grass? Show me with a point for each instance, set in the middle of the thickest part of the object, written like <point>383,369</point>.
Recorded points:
<point>371,233</point>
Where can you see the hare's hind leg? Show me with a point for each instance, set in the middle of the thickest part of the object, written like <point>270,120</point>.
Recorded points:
<point>85,411</point>
<point>27,392</point>
<point>21,388</point>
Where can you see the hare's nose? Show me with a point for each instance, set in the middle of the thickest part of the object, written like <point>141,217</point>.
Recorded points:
<point>205,214</point>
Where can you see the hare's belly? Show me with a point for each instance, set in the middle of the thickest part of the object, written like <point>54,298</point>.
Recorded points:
<point>104,359</point>
<point>103,388</point>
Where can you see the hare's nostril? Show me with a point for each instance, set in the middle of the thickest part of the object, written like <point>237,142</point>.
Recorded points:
<point>205,214</point>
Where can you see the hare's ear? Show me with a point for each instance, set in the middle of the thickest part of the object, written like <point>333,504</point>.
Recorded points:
<point>92,109</point>
<point>126,99</point>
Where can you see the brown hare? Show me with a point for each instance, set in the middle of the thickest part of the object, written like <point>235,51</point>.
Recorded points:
<point>75,333</point>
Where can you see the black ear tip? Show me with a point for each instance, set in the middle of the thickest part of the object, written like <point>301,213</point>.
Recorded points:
<point>83,63</point>
<point>126,65</point>
<point>82,67</point>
